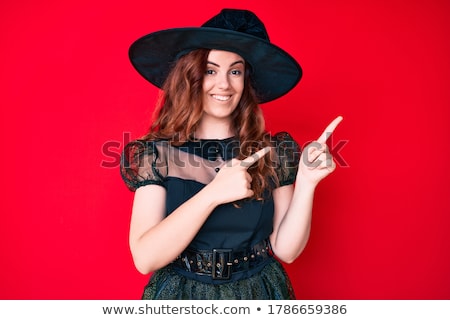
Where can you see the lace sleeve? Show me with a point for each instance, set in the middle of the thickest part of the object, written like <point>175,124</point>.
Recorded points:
<point>288,158</point>
<point>141,164</point>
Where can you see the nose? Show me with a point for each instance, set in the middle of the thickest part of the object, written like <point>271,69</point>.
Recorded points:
<point>222,81</point>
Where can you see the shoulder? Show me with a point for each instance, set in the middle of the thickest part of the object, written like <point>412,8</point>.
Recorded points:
<point>141,147</point>
<point>143,162</point>
<point>138,150</point>
<point>288,157</point>
<point>284,142</point>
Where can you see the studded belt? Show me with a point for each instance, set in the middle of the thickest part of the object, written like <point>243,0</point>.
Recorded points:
<point>221,263</point>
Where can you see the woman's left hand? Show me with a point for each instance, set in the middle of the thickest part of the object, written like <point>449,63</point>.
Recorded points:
<point>316,161</point>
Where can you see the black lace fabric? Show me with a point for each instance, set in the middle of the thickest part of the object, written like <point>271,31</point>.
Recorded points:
<point>152,162</point>
<point>288,155</point>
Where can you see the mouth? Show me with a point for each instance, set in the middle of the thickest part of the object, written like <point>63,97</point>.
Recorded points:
<point>220,97</point>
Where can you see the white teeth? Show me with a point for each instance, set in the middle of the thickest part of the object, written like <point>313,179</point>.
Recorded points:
<point>221,98</point>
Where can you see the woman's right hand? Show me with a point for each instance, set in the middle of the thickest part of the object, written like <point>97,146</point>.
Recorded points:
<point>233,182</point>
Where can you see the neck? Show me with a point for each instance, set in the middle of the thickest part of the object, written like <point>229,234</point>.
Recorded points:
<point>220,129</point>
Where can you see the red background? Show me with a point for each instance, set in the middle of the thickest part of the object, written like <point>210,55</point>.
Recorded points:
<point>70,100</point>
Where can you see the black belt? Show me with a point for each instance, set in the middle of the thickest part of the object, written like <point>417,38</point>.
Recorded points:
<point>221,263</point>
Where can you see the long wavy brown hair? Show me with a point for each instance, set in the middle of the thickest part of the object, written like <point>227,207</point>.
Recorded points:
<point>179,110</point>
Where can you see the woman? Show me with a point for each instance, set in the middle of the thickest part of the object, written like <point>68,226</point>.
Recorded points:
<point>215,208</point>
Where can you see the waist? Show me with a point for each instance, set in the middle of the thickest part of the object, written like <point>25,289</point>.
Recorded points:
<point>221,263</point>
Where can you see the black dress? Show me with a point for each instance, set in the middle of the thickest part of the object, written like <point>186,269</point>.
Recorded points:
<point>183,171</point>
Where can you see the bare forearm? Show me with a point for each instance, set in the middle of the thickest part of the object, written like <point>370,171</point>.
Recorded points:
<point>294,229</point>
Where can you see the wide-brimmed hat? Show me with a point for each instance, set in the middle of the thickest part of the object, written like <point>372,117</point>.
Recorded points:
<point>274,71</point>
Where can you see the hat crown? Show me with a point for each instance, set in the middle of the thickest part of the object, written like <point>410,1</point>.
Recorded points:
<point>243,21</point>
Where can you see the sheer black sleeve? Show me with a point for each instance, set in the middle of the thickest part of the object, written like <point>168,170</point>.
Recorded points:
<point>288,158</point>
<point>142,164</point>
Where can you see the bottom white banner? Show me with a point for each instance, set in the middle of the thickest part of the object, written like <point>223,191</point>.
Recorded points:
<point>221,309</point>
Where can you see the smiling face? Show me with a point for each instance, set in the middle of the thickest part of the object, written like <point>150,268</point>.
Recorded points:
<point>223,84</point>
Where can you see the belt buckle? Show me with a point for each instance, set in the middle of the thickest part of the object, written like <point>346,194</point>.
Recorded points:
<point>221,264</point>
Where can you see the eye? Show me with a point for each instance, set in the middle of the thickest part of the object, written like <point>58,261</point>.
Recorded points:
<point>210,71</point>
<point>236,72</point>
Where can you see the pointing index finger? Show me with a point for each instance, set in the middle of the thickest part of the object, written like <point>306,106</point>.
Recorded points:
<point>329,130</point>
<point>247,162</point>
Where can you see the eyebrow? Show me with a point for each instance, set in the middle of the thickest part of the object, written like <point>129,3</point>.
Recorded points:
<point>233,64</point>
